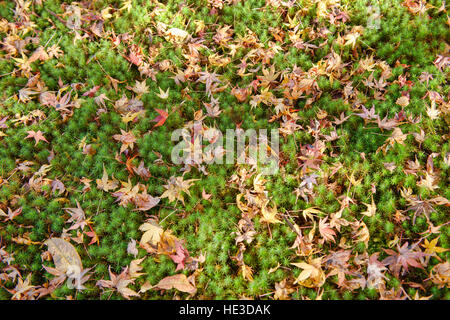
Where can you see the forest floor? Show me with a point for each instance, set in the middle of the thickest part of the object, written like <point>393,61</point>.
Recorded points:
<point>93,204</point>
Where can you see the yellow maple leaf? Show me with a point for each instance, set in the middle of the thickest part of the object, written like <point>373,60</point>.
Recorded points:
<point>130,116</point>
<point>431,248</point>
<point>105,184</point>
<point>312,274</point>
<point>351,39</point>
<point>152,233</point>
<point>246,272</point>
<point>429,182</point>
<point>310,212</point>
<point>269,215</point>
<point>432,112</point>
<point>371,209</point>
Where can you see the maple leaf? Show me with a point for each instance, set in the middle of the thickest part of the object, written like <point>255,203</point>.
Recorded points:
<point>397,136</point>
<point>258,183</point>
<point>337,262</point>
<point>390,166</point>
<point>269,215</point>
<point>387,124</point>
<point>420,207</point>
<point>282,290</point>
<point>429,182</point>
<point>375,269</point>
<point>246,272</point>
<point>368,114</point>
<point>371,209</point>
<point>208,78</point>
<point>127,138</point>
<point>241,94</point>
<point>105,184</point>
<point>91,234</point>
<point>351,39</point>
<point>145,201</point>
<point>441,62</point>
<point>152,233</point>
<point>37,136</point>
<point>23,289</point>
<point>312,274</point>
<point>163,115</point>
<point>425,77</point>
<point>205,196</point>
<point>24,65</point>
<point>11,214</point>
<point>100,99</point>
<point>325,231</point>
<point>126,5</point>
<point>246,231</point>
<point>91,92</point>
<point>309,213</point>
<point>213,110</point>
<point>131,248</point>
<point>59,276</point>
<point>175,187</point>
<point>135,56</point>
<point>432,249</point>
<point>163,94</point>
<point>311,157</point>
<point>361,232</point>
<point>25,93</point>
<point>179,282</point>
<point>131,116</point>
<point>39,54</point>
<point>404,257</point>
<point>309,181</point>
<point>341,119</point>
<point>440,275</point>
<point>135,267</point>
<point>139,88</point>
<point>176,35</point>
<point>180,255</point>
<point>269,77</point>
<point>58,185</point>
<point>432,112</point>
<point>420,137</point>
<point>120,283</point>
<point>77,216</point>
<point>127,194</point>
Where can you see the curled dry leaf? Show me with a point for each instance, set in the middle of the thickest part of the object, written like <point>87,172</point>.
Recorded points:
<point>64,254</point>
<point>178,281</point>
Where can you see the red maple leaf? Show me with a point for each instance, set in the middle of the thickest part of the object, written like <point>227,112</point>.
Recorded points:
<point>135,56</point>
<point>37,136</point>
<point>406,256</point>
<point>161,118</point>
<point>91,234</point>
<point>181,255</point>
<point>91,92</point>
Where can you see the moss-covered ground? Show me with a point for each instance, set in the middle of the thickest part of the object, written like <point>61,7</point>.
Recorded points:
<point>90,93</point>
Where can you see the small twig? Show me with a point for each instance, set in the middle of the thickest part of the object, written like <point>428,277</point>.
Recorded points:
<point>168,216</point>
<point>270,232</point>
<point>49,39</point>
<point>266,294</point>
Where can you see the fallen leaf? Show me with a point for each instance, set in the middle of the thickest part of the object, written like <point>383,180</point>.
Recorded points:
<point>178,281</point>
